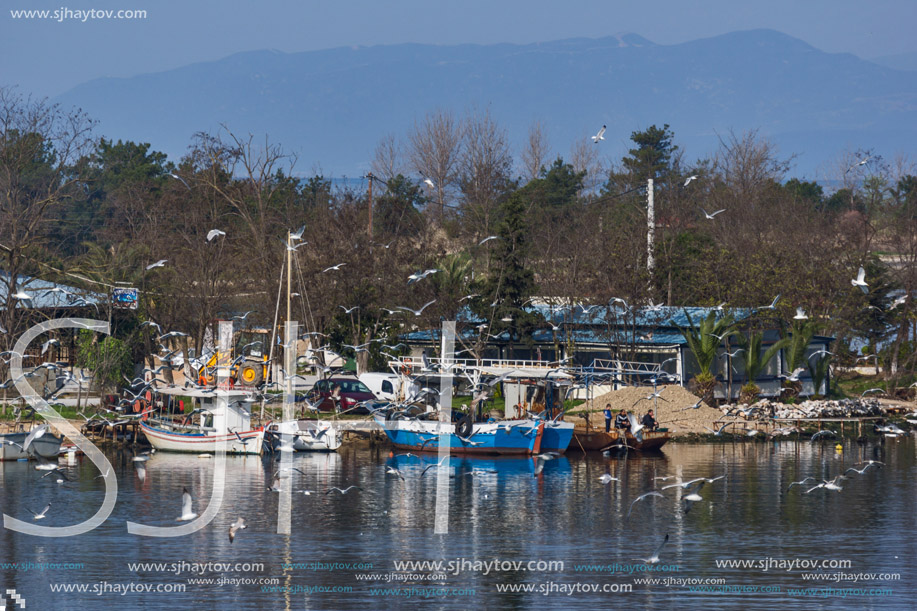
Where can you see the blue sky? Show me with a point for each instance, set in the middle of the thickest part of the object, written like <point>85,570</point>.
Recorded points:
<point>47,57</point>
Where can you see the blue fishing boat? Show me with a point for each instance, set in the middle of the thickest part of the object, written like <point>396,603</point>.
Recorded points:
<point>523,436</point>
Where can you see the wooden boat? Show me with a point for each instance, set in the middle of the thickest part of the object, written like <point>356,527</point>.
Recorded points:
<point>590,438</point>
<point>47,446</point>
<point>225,422</point>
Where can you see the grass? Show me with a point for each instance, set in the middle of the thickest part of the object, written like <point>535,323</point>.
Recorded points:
<point>851,385</point>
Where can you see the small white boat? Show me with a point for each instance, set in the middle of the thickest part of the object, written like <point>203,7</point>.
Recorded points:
<point>225,418</point>
<point>308,435</point>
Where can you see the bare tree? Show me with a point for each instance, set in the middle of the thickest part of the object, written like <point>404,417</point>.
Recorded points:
<point>584,156</point>
<point>484,170</point>
<point>434,147</point>
<point>387,162</point>
<point>535,153</point>
<point>41,147</point>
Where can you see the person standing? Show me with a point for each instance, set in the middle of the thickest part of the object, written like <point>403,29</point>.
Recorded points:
<point>608,417</point>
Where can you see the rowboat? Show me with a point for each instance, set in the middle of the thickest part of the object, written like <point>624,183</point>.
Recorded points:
<point>46,446</point>
<point>595,439</point>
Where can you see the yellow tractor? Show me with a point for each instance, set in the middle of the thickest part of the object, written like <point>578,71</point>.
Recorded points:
<point>248,371</point>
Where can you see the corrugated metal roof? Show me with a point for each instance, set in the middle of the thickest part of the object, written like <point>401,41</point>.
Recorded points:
<point>45,294</point>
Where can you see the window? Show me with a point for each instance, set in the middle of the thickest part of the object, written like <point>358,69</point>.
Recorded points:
<point>387,387</point>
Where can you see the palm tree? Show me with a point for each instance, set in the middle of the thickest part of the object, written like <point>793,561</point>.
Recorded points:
<point>756,362</point>
<point>703,341</point>
<point>798,340</point>
<point>819,371</point>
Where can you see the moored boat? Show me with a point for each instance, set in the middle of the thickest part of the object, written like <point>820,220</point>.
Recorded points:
<point>523,436</point>
<point>46,446</point>
<point>588,439</point>
<point>224,420</point>
<point>308,435</point>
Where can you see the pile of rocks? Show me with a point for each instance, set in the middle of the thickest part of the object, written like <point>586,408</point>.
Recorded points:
<point>766,409</point>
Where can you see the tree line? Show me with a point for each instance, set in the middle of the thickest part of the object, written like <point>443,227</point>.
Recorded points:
<point>95,213</point>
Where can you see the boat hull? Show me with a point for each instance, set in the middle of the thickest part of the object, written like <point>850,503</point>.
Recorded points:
<point>46,446</point>
<point>169,440</point>
<point>310,435</point>
<point>508,437</point>
<point>600,440</point>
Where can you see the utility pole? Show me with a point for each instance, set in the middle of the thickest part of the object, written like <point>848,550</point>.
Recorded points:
<point>370,230</point>
<point>650,227</point>
<point>289,274</point>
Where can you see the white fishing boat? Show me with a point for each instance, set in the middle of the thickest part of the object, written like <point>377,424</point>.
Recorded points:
<point>220,417</point>
<point>308,435</point>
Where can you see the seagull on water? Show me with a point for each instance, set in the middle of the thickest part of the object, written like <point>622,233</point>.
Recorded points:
<point>214,233</point>
<point>860,281</point>
<point>235,527</point>
<point>186,511</point>
<point>599,136</point>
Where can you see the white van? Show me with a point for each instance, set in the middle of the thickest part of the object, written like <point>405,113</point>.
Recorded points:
<point>386,386</point>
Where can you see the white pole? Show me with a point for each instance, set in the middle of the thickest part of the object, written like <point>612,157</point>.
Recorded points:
<point>650,227</point>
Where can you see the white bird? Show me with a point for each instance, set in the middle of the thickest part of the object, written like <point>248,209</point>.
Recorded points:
<point>607,479</point>
<point>22,295</point>
<point>429,183</point>
<point>871,390</point>
<point>860,281</point>
<point>297,235</point>
<point>695,406</point>
<point>773,305</point>
<point>417,312</point>
<point>41,514</point>
<point>599,136</point>
<point>394,471</point>
<point>214,233</point>
<point>898,301</point>
<point>824,433</point>
<point>333,267</point>
<point>859,163</point>
<point>235,527</point>
<point>801,482</point>
<point>800,314</point>
<point>489,238</point>
<point>186,511</point>
<point>159,263</point>
<point>344,491</point>
<point>541,459</point>
<point>655,557</point>
<point>349,310</point>
<point>640,498</point>
<point>709,215</point>
<point>179,178</point>
<point>689,179</point>
<point>141,471</point>
<point>34,434</point>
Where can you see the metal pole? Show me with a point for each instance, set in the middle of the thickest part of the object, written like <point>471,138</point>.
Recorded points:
<point>650,227</point>
<point>370,229</point>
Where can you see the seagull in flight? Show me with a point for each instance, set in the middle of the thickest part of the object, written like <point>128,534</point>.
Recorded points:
<point>489,238</point>
<point>773,305</point>
<point>871,390</point>
<point>860,281</point>
<point>394,471</point>
<point>800,314</point>
<point>695,406</point>
<point>599,136</point>
<point>417,312</point>
<point>709,215</point>
<point>214,233</point>
<point>641,497</point>
<point>607,479</point>
<point>333,267</point>
<point>41,514</point>
<point>297,235</point>
<point>689,179</point>
<point>186,511</point>
<point>180,179</point>
<point>344,491</point>
<point>654,558</point>
<point>862,162</point>
<point>541,459</point>
<point>429,183</point>
<point>349,310</point>
<point>801,482</point>
<point>159,263</point>
<point>235,527</point>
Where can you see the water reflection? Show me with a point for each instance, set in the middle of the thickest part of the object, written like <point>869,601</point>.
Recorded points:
<point>498,510</point>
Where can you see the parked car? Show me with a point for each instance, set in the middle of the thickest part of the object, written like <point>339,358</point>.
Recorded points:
<point>341,394</point>
<point>386,386</point>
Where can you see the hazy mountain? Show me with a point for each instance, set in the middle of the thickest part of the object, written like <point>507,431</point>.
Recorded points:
<point>333,106</point>
<point>899,61</point>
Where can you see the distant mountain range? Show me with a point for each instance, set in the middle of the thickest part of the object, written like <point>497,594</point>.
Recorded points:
<point>333,106</point>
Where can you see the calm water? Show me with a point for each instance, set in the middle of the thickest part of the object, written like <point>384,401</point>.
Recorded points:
<point>563,516</point>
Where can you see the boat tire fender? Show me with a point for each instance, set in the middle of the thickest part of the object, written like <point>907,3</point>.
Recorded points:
<point>464,426</point>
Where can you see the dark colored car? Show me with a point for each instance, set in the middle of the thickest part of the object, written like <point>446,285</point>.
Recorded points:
<point>341,394</point>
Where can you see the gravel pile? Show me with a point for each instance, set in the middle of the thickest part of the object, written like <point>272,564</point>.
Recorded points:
<point>845,408</point>
<point>669,408</point>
